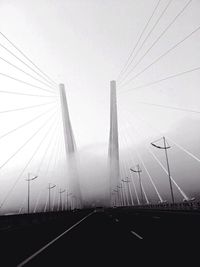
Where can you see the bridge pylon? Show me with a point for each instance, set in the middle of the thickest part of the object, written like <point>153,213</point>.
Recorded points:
<point>113,150</point>
<point>70,147</point>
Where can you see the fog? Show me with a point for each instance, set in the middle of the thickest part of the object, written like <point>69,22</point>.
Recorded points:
<point>85,44</point>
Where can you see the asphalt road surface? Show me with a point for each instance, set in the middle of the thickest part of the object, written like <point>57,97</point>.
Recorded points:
<point>110,238</point>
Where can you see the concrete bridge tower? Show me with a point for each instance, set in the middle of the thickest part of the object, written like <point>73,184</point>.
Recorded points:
<point>71,152</point>
<point>113,153</point>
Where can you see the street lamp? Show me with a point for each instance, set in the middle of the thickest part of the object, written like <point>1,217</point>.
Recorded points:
<point>165,147</point>
<point>29,179</point>
<point>138,171</point>
<point>121,196</point>
<point>68,194</point>
<point>60,192</point>
<point>118,198</point>
<point>114,201</point>
<point>123,193</point>
<point>49,188</point>
<point>129,190</point>
<point>74,202</point>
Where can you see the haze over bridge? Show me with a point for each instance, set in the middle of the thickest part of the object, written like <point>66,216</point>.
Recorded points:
<point>149,167</point>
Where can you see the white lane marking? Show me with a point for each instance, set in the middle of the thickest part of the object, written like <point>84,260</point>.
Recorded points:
<point>138,236</point>
<point>51,242</point>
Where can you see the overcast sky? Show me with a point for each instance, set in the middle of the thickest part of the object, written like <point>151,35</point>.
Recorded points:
<point>85,44</point>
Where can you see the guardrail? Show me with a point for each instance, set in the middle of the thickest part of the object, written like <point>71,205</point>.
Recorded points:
<point>23,220</point>
<point>182,206</point>
<point>176,206</point>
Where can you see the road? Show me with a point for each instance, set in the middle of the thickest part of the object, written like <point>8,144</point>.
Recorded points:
<point>109,238</point>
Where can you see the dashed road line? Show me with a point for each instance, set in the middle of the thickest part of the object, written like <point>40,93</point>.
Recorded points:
<point>138,236</point>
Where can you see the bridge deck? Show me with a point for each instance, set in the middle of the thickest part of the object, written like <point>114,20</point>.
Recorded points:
<point>114,236</point>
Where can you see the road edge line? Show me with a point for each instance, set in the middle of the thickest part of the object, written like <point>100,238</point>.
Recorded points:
<point>51,242</point>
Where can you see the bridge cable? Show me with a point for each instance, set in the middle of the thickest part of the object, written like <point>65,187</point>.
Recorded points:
<point>156,23</point>
<point>27,58</point>
<point>128,172</point>
<point>178,187</point>
<point>29,161</point>
<point>25,108</point>
<point>26,83</point>
<point>39,196</point>
<point>114,196</point>
<point>45,137</point>
<point>158,38</point>
<point>39,167</point>
<point>164,169</point>
<point>56,162</point>
<point>175,143</point>
<point>124,191</point>
<point>24,144</point>
<point>122,186</point>
<point>24,94</point>
<point>22,206</point>
<point>11,53</point>
<point>51,141</point>
<point>25,124</point>
<point>147,171</point>
<point>54,199</point>
<point>125,144</point>
<point>122,175</point>
<point>161,56</point>
<point>51,159</point>
<point>28,74</point>
<point>161,80</point>
<point>46,203</point>
<point>126,65</point>
<point>167,107</point>
<point>149,176</point>
<point>146,198</point>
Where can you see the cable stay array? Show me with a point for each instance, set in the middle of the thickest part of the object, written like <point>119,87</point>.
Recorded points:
<point>25,124</point>
<point>161,56</point>
<point>24,94</point>
<point>183,149</point>
<point>38,128</point>
<point>130,59</point>
<point>25,108</point>
<point>27,58</point>
<point>140,133</point>
<point>49,129</point>
<point>124,136</point>
<point>52,140</point>
<point>28,66</point>
<point>133,119</point>
<point>51,164</point>
<point>167,107</point>
<point>26,83</point>
<point>156,41</point>
<point>162,79</point>
<point>127,174</point>
<point>26,142</point>
<point>148,35</point>
<point>26,73</point>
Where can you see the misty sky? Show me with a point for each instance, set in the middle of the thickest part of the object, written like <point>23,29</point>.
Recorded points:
<point>85,44</point>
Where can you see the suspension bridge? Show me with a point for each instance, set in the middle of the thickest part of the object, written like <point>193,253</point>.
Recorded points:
<point>150,176</point>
